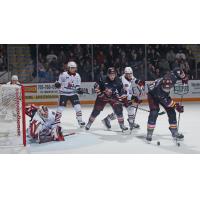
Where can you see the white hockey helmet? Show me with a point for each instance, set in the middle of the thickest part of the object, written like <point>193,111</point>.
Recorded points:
<point>71,64</point>
<point>128,70</point>
<point>14,78</point>
<point>43,112</point>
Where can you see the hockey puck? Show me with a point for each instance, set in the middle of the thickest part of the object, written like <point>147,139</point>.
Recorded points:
<point>158,143</point>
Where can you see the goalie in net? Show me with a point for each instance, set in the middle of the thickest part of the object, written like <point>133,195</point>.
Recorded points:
<point>12,107</point>
<point>44,124</point>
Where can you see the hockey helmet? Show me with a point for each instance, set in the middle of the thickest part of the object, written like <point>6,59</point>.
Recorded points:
<point>128,70</point>
<point>111,70</point>
<point>43,112</point>
<point>71,64</point>
<point>14,78</point>
<point>167,83</point>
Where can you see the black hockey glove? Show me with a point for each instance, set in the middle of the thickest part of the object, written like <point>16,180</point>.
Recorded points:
<point>57,84</point>
<point>79,91</point>
<point>179,108</point>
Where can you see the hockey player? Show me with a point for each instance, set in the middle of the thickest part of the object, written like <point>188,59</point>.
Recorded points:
<point>132,86</point>
<point>159,94</point>
<point>109,90</point>
<point>69,87</point>
<point>43,126</point>
<point>14,80</point>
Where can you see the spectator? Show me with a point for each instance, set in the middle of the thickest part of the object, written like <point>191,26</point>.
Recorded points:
<point>100,58</point>
<point>163,66</point>
<point>51,56</point>
<point>170,56</point>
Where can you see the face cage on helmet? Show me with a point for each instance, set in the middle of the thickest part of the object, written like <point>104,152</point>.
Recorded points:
<point>43,113</point>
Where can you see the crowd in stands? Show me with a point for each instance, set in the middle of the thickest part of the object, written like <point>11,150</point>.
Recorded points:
<point>93,60</point>
<point>160,59</point>
<point>163,58</point>
<point>3,58</point>
<point>53,58</point>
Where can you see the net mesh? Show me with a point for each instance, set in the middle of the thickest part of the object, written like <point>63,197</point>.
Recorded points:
<point>10,115</point>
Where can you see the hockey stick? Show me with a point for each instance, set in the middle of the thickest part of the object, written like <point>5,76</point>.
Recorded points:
<point>179,115</point>
<point>137,105</point>
<point>143,109</point>
<point>184,90</point>
<point>76,91</point>
<point>68,134</point>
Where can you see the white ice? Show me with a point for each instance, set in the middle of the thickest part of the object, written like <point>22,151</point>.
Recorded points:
<point>99,140</point>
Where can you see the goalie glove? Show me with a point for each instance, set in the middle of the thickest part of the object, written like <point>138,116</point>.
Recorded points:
<point>57,84</point>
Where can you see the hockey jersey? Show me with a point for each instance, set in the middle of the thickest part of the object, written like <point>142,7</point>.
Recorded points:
<point>161,96</point>
<point>111,88</point>
<point>47,123</point>
<point>130,87</point>
<point>69,83</point>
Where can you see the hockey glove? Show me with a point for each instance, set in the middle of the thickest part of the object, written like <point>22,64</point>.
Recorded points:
<point>136,99</point>
<point>185,80</point>
<point>57,84</point>
<point>179,108</point>
<point>79,91</point>
<point>141,83</point>
<point>122,97</point>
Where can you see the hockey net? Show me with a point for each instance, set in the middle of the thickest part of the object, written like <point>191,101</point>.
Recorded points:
<point>12,116</point>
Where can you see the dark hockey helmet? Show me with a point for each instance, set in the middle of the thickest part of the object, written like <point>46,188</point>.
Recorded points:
<point>111,70</point>
<point>167,83</point>
<point>179,73</point>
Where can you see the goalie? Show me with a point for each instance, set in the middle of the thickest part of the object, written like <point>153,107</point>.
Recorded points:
<point>44,126</point>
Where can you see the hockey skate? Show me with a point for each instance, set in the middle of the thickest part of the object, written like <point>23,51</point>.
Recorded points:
<point>123,127</point>
<point>81,124</point>
<point>87,127</point>
<point>133,125</point>
<point>149,136</point>
<point>175,134</point>
<point>106,122</point>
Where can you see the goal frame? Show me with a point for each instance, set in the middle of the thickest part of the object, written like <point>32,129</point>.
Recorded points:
<point>20,107</point>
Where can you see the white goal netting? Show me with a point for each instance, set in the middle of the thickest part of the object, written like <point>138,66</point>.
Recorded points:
<point>12,117</point>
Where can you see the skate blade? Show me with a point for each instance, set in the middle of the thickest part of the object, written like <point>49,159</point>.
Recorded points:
<point>126,132</point>
<point>105,125</point>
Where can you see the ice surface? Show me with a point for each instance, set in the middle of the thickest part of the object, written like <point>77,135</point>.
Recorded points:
<point>99,140</point>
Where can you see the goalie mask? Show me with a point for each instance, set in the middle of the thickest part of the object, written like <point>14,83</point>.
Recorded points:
<point>43,112</point>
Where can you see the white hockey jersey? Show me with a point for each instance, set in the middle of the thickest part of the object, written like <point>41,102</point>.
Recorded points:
<point>46,123</point>
<point>131,87</point>
<point>9,83</point>
<point>69,83</point>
